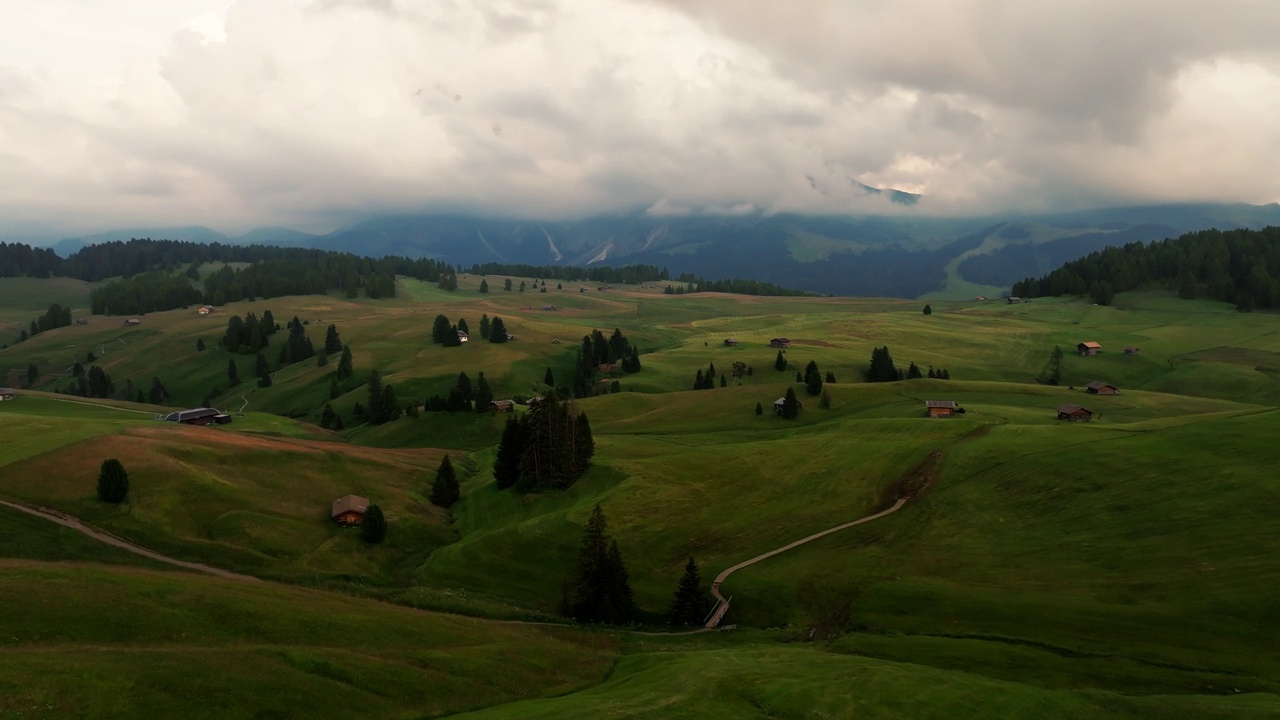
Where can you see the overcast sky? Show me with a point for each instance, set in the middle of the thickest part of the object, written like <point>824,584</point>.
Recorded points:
<point>310,113</point>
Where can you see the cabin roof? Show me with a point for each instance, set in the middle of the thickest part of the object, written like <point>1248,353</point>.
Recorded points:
<point>349,503</point>
<point>940,404</point>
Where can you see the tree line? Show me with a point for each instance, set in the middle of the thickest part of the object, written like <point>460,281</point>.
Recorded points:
<point>628,274</point>
<point>1236,266</point>
<point>693,283</point>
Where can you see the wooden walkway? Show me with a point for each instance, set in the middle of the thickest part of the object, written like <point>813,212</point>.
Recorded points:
<point>722,603</point>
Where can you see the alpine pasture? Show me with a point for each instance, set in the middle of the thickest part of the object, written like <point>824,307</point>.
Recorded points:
<point>1118,568</point>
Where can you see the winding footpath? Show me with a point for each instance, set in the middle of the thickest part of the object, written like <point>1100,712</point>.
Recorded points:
<point>75,524</point>
<point>722,603</point>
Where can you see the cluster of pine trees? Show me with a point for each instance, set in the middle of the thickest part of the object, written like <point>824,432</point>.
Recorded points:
<point>382,407</point>
<point>1235,266</point>
<point>707,380</point>
<point>463,396</point>
<point>143,293</point>
<point>629,274</point>
<point>248,335</point>
<point>297,346</point>
<point>448,335</point>
<point>597,351</point>
<point>55,317</point>
<point>693,283</point>
<point>548,447</point>
<point>883,369</point>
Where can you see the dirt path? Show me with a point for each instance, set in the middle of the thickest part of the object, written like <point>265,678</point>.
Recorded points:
<point>75,524</point>
<point>722,603</point>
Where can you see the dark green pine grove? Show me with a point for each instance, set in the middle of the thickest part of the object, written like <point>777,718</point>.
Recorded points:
<point>882,368</point>
<point>601,590</point>
<point>1236,266</point>
<point>548,447</point>
<point>812,379</point>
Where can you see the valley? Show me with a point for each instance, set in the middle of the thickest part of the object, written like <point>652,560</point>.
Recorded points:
<point>1117,568</point>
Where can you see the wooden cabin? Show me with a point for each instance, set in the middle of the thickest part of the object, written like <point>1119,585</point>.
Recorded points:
<point>731,342</point>
<point>1097,387</point>
<point>503,405</point>
<point>777,405</point>
<point>132,321</point>
<point>1074,413</point>
<point>1088,348</point>
<point>780,343</point>
<point>941,408</point>
<point>349,510</point>
<point>7,394</point>
<point>463,337</point>
<point>1013,300</point>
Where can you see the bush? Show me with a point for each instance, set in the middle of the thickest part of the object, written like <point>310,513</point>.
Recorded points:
<point>113,482</point>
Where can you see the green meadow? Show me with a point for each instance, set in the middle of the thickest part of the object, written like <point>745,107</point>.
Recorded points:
<point>1122,568</point>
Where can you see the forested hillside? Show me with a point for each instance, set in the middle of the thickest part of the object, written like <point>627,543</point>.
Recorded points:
<point>1235,266</point>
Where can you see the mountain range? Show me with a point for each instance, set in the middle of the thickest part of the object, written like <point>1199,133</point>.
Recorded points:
<point>900,256</point>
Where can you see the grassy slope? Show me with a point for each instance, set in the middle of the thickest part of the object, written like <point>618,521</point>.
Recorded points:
<point>90,642</point>
<point>1039,541</point>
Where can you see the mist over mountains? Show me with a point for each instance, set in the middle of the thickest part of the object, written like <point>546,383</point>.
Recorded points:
<point>898,256</point>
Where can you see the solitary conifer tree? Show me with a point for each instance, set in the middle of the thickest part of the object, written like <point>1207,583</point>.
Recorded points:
<point>445,491</point>
<point>497,331</point>
<point>790,405</point>
<point>780,363</point>
<point>691,601</point>
<point>548,378</point>
<point>345,366</point>
<point>484,396</point>
<point>332,343</point>
<point>484,286</point>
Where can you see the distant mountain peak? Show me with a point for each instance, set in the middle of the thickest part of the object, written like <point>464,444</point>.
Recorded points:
<point>901,197</point>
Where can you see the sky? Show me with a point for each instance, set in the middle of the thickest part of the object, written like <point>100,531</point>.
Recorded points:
<point>314,113</point>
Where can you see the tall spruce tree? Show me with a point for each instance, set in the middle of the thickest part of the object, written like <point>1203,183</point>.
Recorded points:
<point>790,405</point>
<point>812,379</point>
<point>497,331</point>
<point>373,410</point>
<point>484,326</point>
<point>233,375</point>
<point>506,465</point>
<point>484,396</point>
<point>780,362</point>
<point>439,329</point>
<point>601,592</point>
<point>332,342</point>
<point>445,490</point>
<point>692,600</point>
<point>484,286</point>
<point>548,378</point>
<point>345,365</point>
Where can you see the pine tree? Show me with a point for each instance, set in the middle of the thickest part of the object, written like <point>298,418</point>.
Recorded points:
<point>200,345</point>
<point>373,528</point>
<point>77,370</point>
<point>334,390</point>
<point>697,380</point>
<point>506,466</point>
<point>548,378</point>
<point>444,490</point>
<point>33,374</point>
<point>390,404</point>
<point>584,444</point>
<point>322,358</point>
<point>759,409</point>
<point>601,591</point>
<point>507,285</point>
<point>158,393</point>
<point>780,363</point>
<point>462,326</point>
<point>692,600</point>
<point>790,405</point>
<point>439,329</point>
<point>484,326</point>
<point>463,383</point>
<point>332,342</point>
<point>913,371</point>
<point>327,416</point>
<point>831,377</point>
<point>497,331</point>
<point>373,410</point>
<point>345,365</point>
<point>484,286</point>
<point>812,378</point>
<point>928,309</point>
<point>484,396</point>
<point>113,482</point>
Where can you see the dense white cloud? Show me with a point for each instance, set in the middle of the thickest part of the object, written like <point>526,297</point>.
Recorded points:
<point>234,113</point>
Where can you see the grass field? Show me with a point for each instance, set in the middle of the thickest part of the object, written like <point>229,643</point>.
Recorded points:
<point>1121,568</point>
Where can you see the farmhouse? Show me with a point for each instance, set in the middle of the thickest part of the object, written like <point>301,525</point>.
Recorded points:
<point>503,405</point>
<point>132,321</point>
<point>1131,350</point>
<point>777,405</point>
<point>1013,300</point>
<point>555,341</point>
<point>780,343</point>
<point>349,509</point>
<point>463,337</point>
<point>1088,348</point>
<point>731,342</point>
<point>941,408</point>
<point>199,416</point>
<point>6,394</point>
<point>205,309</point>
<point>550,308</point>
<point>1074,413</point>
<point>1097,387</point>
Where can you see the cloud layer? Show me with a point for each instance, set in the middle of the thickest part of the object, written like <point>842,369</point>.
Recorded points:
<point>312,112</point>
